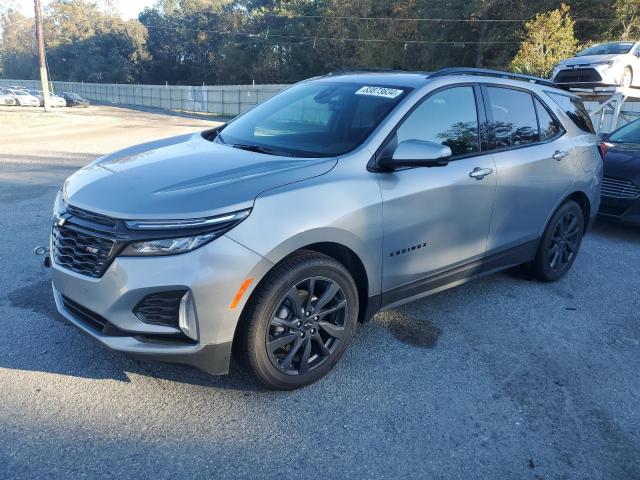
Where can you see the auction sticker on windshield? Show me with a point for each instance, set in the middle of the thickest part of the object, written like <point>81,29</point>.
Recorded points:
<point>379,92</point>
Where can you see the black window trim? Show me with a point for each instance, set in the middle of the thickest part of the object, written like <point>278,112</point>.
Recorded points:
<point>485,95</point>
<point>480,114</point>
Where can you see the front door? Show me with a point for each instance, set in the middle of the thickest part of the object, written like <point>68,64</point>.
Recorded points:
<point>436,220</point>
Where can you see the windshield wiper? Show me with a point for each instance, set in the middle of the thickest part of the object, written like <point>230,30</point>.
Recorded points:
<point>261,149</point>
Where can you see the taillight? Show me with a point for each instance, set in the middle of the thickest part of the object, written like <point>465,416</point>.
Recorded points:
<point>602,148</point>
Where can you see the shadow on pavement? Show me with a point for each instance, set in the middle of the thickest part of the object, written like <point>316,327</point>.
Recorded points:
<point>62,349</point>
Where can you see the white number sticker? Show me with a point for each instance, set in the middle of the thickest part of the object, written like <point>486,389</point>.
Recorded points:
<point>379,92</point>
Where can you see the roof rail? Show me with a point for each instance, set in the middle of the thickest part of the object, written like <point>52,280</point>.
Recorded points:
<point>491,73</point>
<point>343,71</point>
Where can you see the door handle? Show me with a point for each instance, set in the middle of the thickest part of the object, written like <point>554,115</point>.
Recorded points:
<point>559,155</point>
<point>479,173</point>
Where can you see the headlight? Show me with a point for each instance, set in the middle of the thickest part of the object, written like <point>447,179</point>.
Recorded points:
<point>58,204</point>
<point>213,228</point>
<point>235,217</point>
<point>169,246</point>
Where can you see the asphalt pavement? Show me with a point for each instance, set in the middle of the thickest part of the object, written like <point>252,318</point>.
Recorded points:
<point>500,378</point>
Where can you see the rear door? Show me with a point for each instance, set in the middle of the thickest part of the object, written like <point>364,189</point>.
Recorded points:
<point>534,163</point>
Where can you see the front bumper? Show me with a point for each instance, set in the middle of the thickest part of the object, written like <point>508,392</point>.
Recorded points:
<point>589,75</point>
<point>620,210</point>
<point>213,275</point>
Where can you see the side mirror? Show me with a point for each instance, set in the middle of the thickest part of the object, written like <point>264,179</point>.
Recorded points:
<point>417,153</point>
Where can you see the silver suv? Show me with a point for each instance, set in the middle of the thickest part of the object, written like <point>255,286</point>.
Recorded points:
<point>273,235</point>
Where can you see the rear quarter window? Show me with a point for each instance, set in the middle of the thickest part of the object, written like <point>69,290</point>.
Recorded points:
<point>575,110</point>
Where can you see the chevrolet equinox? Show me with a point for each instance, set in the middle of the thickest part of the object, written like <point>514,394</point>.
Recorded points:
<point>274,234</point>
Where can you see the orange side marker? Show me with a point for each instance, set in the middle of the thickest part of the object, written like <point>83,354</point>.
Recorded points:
<point>241,290</point>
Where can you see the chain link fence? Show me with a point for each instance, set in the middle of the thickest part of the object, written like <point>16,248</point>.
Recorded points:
<point>222,100</point>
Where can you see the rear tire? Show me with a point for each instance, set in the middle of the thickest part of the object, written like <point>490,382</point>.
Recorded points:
<point>559,244</point>
<point>288,339</point>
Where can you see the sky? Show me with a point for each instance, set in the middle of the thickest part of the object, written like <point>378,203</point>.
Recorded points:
<point>128,8</point>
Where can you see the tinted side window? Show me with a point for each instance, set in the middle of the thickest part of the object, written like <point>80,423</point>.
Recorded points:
<point>549,127</point>
<point>574,108</point>
<point>448,117</point>
<point>513,117</point>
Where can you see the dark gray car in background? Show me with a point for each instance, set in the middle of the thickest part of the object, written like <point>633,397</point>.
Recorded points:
<point>273,235</point>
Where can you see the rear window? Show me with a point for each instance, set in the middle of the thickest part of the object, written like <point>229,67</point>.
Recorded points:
<point>575,110</point>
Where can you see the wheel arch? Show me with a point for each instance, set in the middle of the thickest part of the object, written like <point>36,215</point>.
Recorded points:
<point>368,306</point>
<point>581,199</point>
<point>353,264</point>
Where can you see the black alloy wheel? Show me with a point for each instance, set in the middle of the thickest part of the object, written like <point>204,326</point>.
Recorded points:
<point>307,326</point>
<point>299,321</point>
<point>564,242</point>
<point>559,244</point>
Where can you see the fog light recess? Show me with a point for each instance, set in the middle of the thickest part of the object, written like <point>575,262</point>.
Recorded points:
<point>187,319</point>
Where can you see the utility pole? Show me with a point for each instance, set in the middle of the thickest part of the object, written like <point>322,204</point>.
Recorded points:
<point>41,56</point>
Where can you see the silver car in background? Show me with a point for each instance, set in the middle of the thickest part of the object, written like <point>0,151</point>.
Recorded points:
<point>273,235</point>
<point>614,63</point>
<point>54,100</point>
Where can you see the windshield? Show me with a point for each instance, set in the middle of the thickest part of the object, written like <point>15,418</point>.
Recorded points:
<point>617,48</point>
<point>316,119</point>
<point>75,96</point>
<point>630,133</point>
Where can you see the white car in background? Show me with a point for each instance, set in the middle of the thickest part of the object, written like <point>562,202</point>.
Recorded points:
<point>23,98</point>
<point>54,100</point>
<point>6,98</point>
<point>613,63</point>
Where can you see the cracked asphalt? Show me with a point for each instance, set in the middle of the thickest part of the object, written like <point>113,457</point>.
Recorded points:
<point>500,378</point>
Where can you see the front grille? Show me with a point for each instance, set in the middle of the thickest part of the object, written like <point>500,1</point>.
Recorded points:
<point>160,308</point>
<point>91,216</point>
<point>619,188</point>
<point>82,251</point>
<point>578,75</point>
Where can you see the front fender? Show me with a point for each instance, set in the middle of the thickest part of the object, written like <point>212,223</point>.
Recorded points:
<point>342,207</point>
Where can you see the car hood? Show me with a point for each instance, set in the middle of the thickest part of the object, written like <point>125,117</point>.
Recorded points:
<point>183,177</point>
<point>589,59</point>
<point>623,160</point>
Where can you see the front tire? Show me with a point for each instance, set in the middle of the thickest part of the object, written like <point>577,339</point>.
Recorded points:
<point>560,243</point>
<point>627,78</point>
<point>299,321</point>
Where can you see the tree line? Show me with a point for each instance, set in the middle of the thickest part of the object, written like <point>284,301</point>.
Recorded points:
<point>192,42</point>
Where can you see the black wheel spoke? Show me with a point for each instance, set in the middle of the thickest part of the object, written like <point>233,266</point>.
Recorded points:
<point>333,330</point>
<point>294,299</point>
<point>307,302</point>
<point>292,353</point>
<point>328,295</point>
<point>283,322</point>
<point>324,351</point>
<point>281,341</point>
<point>332,310</point>
<point>304,359</point>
